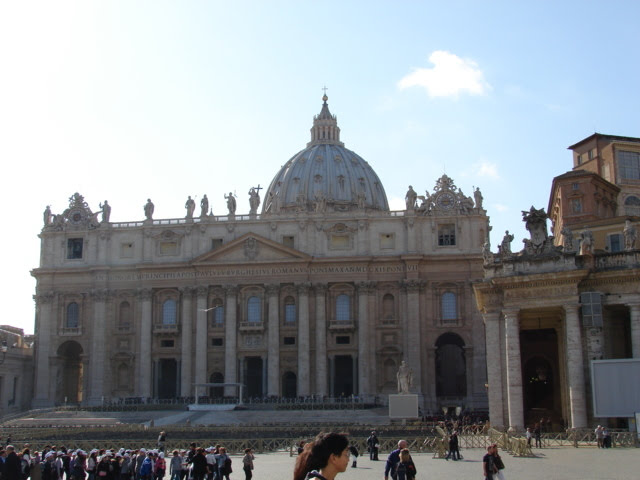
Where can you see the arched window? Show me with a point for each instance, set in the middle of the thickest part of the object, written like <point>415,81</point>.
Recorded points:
<point>217,314</point>
<point>343,308</point>
<point>388,307</point>
<point>449,307</point>
<point>254,311</point>
<point>633,201</point>
<point>169,312</point>
<point>289,310</point>
<point>124,318</point>
<point>73,315</point>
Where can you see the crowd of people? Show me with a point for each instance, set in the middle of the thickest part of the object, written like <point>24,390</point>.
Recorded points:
<point>59,463</point>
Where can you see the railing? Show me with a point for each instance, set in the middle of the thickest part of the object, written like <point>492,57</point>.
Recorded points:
<point>70,331</point>
<point>251,326</point>
<point>342,325</point>
<point>617,260</point>
<point>166,328</point>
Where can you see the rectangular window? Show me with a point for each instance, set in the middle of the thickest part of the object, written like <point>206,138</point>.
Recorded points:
<point>387,240</point>
<point>579,159</point>
<point>629,163</point>
<point>591,309</point>
<point>288,241</point>
<point>614,242</point>
<point>166,343</point>
<point>168,248</point>
<point>576,205</point>
<point>575,186</point>
<point>343,340</point>
<point>339,242</point>
<point>446,235</point>
<point>289,340</point>
<point>216,243</point>
<point>217,342</point>
<point>74,248</point>
<point>591,154</point>
<point>290,313</point>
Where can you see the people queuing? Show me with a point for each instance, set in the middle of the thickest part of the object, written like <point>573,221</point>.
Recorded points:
<point>55,463</point>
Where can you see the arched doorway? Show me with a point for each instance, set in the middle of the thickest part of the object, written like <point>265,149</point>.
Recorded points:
<point>69,382</point>
<point>451,367</point>
<point>253,376</point>
<point>167,378</point>
<point>289,385</point>
<point>216,392</point>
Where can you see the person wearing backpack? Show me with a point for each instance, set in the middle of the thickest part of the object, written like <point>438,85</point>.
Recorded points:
<point>406,469</point>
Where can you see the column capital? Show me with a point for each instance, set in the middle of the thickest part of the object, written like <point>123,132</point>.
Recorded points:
<point>230,289</point>
<point>45,297</point>
<point>320,288</point>
<point>489,317</point>
<point>100,294</point>
<point>571,308</point>
<point>272,289</point>
<point>144,293</point>
<point>412,286</point>
<point>366,288</point>
<point>187,291</point>
<point>303,288</point>
<point>511,313</point>
<point>201,290</point>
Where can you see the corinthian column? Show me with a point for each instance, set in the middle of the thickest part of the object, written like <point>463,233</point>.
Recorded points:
<point>575,367</point>
<point>514,369</point>
<point>98,348</point>
<point>144,386</point>
<point>321,339</point>
<point>494,368</point>
<point>364,365</point>
<point>634,320</point>
<point>43,345</point>
<point>230,350</point>
<point>201,335</point>
<point>303,340</point>
<point>186,354</point>
<point>273,342</point>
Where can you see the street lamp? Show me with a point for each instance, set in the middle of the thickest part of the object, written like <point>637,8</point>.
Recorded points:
<point>3,350</point>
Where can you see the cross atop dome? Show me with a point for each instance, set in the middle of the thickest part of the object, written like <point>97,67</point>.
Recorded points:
<point>325,128</point>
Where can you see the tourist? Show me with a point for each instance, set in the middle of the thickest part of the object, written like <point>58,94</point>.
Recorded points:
<point>162,438</point>
<point>92,462</point>
<point>247,463</point>
<point>323,458</point>
<point>498,463</point>
<point>527,435</point>
<point>125,467</point>
<point>354,453</point>
<point>175,466</point>
<point>392,461</point>
<point>223,462</point>
<point>160,467</point>
<point>199,465</point>
<point>488,464</point>
<point>146,468</point>
<point>454,450</point>
<point>211,462</point>
<point>537,434</point>
<point>103,468</point>
<point>12,465</point>
<point>79,465</point>
<point>406,469</point>
<point>373,444</point>
<point>606,438</point>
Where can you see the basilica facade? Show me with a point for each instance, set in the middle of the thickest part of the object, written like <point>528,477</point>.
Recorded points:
<point>319,291</point>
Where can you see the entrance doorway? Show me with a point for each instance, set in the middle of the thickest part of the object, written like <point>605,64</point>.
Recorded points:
<point>343,376</point>
<point>167,378</point>
<point>540,378</point>
<point>289,385</point>
<point>70,386</point>
<point>216,392</point>
<point>253,376</point>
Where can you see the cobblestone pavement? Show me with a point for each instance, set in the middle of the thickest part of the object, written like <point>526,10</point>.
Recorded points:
<point>549,464</point>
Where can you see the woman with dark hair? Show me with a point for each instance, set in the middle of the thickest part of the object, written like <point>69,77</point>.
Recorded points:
<point>323,458</point>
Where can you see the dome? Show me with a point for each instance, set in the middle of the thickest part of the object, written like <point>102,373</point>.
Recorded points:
<point>325,176</point>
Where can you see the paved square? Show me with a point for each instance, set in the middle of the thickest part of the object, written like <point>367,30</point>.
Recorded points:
<point>551,463</point>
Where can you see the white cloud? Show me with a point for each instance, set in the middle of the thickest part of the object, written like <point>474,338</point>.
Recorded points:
<point>449,77</point>
<point>487,169</point>
<point>500,207</point>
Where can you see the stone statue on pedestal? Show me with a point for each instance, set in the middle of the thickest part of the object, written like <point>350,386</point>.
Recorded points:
<point>254,200</point>
<point>477,195</point>
<point>405,378</point>
<point>148,209</point>
<point>567,239</point>
<point>190,205</point>
<point>106,211</point>
<point>231,203</point>
<point>204,206</point>
<point>586,243</point>
<point>47,216</point>
<point>505,246</point>
<point>630,236</point>
<point>410,198</point>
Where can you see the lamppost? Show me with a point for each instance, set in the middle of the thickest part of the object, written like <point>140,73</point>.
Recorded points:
<point>3,350</point>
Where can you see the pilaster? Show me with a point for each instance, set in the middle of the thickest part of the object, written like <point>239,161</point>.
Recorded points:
<point>364,366</point>
<point>200,374</point>
<point>230,339</point>
<point>321,339</point>
<point>97,359</point>
<point>494,369</point>
<point>43,349</point>
<point>634,321</point>
<point>186,354</point>
<point>144,386</point>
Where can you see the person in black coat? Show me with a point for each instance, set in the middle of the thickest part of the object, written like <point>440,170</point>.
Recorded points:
<point>12,467</point>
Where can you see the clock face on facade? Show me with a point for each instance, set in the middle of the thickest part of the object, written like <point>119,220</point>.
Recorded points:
<point>445,200</point>
<point>75,217</point>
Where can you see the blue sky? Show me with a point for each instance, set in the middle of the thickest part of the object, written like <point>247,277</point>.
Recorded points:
<point>129,100</point>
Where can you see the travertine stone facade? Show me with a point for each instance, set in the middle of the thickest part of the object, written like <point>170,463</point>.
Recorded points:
<point>323,293</point>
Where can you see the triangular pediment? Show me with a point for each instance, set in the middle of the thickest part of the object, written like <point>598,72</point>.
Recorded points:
<point>251,248</point>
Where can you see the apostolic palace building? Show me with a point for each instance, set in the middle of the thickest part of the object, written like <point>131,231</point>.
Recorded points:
<point>320,290</point>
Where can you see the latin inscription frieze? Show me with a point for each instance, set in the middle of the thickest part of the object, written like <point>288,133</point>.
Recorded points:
<point>256,272</point>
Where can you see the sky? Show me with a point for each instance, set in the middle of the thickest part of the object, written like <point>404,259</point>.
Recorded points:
<point>129,100</point>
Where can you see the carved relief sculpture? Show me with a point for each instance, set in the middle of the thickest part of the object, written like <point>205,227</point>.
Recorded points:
<point>630,236</point>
